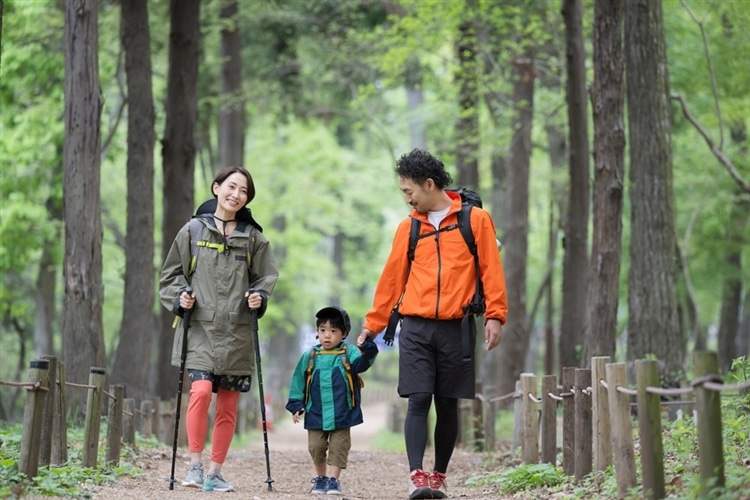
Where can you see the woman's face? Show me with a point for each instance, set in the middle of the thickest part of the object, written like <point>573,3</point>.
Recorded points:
<point>231,195</point>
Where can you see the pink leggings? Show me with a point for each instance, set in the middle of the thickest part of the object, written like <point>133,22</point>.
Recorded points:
<point>197,419</point>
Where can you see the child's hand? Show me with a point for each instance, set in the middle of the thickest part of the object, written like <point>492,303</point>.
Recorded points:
<point>296,416</point>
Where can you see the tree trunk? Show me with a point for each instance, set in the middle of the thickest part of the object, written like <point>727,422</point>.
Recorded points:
<point>414,97</point>
<point>575,260</point>
<point>731,300</point>
<point>82,331</point>
<point>607,100</point>
<point>467,126</point>
<point>137,325</point>
<point>557,146</point>
<point>232,113</point>
<point>653,326</point>
<point>178,155</point>
<point>512,349</point>
<point>44,314</point>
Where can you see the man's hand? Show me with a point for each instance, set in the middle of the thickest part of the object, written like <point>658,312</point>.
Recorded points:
<point>364,336</point>
<point>493,334</point>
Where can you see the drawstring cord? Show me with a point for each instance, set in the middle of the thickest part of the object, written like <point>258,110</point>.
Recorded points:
<point>224,231</point>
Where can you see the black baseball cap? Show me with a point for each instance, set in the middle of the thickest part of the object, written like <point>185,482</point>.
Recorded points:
<point>338,313</point>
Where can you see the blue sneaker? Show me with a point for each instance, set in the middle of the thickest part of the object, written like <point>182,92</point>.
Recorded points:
<point>320,485</point>
<point>214,482</point>
<point>195,476</point>
<point>334,487</point>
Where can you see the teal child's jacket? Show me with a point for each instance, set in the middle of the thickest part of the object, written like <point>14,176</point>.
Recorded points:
<point>331,404</point>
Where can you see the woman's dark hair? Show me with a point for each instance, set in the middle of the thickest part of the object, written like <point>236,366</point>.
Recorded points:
<point>227,171</point>
<point>419,165</point>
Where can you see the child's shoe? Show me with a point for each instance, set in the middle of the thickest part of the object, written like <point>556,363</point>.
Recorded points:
<point>320,485</point>
<point>195,476</point>
<point>214,482</point>
<point>334,486</point>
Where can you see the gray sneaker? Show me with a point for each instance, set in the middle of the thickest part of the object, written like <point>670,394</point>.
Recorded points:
<point>195,476</point>
<point>214,482</point>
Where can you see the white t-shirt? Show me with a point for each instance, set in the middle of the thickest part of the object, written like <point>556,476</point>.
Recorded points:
<point>436,217</point>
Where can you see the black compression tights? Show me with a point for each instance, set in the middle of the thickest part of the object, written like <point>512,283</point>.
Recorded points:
<point>415,429</point>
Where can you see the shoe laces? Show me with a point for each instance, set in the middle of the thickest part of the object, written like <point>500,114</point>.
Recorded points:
<point>437,480</point>
<point>216,476</point>
<point>420,478</point>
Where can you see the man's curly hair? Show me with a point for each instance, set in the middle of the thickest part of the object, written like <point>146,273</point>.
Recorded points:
<point>419,165</point>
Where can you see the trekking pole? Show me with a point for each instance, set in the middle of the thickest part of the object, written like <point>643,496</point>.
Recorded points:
<point>186,325</point>
<point>254,324</point>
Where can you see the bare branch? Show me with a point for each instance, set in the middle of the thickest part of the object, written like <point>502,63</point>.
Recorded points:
<point>718,153</point>
<point>710,72</point>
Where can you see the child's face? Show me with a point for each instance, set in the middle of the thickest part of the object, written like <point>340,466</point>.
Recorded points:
<point>329,336</point>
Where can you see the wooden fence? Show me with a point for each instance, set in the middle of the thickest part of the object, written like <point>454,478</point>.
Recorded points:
<point>44,440</point>
<point>596,420</point>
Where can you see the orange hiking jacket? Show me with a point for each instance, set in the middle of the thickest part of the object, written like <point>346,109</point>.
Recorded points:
<point>441,281</point>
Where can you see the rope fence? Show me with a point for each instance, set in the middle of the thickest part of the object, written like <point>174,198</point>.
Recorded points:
<point>44,434</point>
<point>597,420</point>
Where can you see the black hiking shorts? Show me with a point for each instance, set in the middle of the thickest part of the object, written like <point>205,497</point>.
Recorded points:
<point>431,359</point>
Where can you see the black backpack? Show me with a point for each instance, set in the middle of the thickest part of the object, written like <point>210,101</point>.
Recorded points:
<point>469,199</point>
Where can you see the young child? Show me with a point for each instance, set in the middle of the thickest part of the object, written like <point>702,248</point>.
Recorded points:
<point>326,388</point>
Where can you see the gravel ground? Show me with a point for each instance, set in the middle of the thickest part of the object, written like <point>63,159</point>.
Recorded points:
<point>371,474</point>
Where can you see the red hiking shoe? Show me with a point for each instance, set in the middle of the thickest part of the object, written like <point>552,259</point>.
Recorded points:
<point>438,486</point>
<point>419,486</point>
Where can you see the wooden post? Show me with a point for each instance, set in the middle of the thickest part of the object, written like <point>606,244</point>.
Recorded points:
<point>622,428</point>
<point>601,438</point>
<point>517,420</point>
<point>45,446</point>
<point>156,417</point>
<point>128,422</point>
<point>93,417</point>
<point>569,421</point>
<point>59,453</point>
<point>582,423</point>
<point>708,406</point>
<point>465,427</point>
<point>114,424</point>
<point>530,418</point>
<point>478,419</point>
<point>28,459</point>
<point>549,420</point>
<point>649,425</point>
<point>166,415</point>
<point>145,419</point>
<point>489,420</point>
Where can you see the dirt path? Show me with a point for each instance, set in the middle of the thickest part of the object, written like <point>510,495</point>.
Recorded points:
<point>370,475</point>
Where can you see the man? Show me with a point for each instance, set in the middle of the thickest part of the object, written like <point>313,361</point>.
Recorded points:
<point>432,292</point>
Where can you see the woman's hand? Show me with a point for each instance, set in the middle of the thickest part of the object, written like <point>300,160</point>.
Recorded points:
<point>187,300</point>
<point>254,300</point>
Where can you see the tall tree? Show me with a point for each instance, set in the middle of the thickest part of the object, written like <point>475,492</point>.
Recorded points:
<point>83,336</point>
<point>736,238</point>
<point>138,320</point>
<point>607,100</point>
<point>575,263</point>
<point>653,325</point>
<point>178,155</point>
<point>467,125</point>
<point>515,225</point>
<point>232,112</point>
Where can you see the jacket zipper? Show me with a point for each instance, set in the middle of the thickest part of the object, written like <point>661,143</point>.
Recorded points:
<point>440,265</point>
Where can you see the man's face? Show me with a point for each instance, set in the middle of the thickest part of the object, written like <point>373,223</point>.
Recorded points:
<point>420,197</point>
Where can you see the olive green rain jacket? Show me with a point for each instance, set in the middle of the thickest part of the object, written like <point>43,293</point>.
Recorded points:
<point>220,339</point>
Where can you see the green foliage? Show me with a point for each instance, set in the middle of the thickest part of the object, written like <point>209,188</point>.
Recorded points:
<point>523,478</point>
<point>69,480</point>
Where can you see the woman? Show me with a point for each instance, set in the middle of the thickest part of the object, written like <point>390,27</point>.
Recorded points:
<point>228,263</point>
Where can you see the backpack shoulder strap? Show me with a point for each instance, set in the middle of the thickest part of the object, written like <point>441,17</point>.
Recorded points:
<point>416,225</point>
<point>464,225</point>
<point>308,373</point>
<point>344,357</point>
<point>196,231</point>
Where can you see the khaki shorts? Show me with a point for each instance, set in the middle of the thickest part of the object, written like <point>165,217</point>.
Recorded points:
<point>331,447</point>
